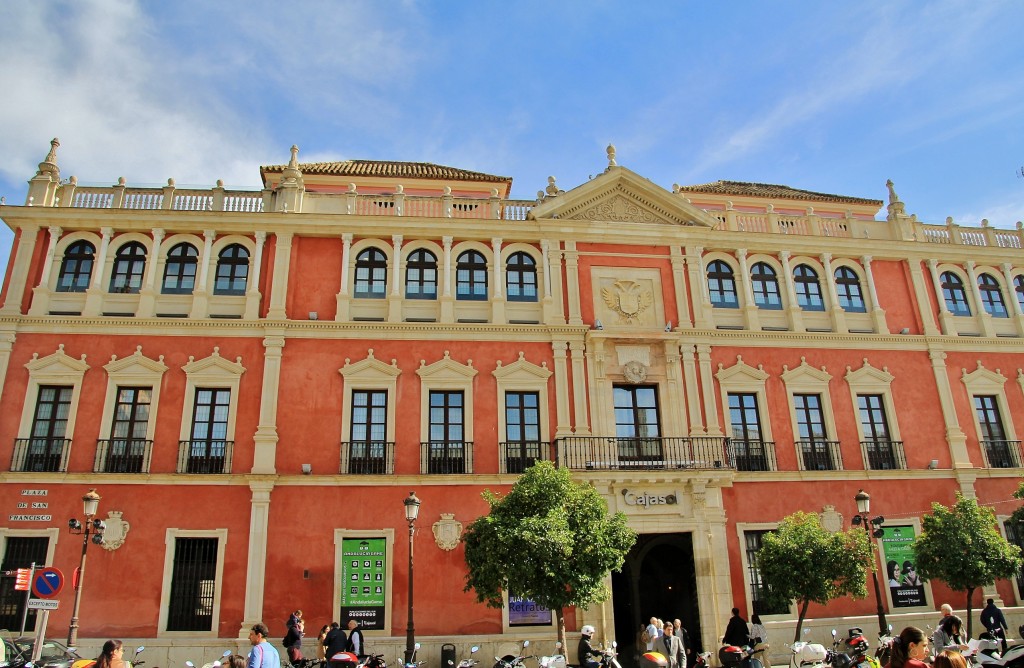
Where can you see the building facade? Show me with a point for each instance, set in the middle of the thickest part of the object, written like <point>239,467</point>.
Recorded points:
<point>254,381</point>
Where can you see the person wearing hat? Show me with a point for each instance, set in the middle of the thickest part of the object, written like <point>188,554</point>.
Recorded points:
<point>585,650</point>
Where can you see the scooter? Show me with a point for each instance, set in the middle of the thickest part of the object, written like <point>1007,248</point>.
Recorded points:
<point>609,657</point>
<point>740,657</point>
<point>412,662</point>
<point>373,661</point>
<point>470,662</point>
<point>884,649</point>
<point>216,663</point>
<point>512,661</point>
<point>553,661</point>
<point>808,655</point>
<point>135,659</point>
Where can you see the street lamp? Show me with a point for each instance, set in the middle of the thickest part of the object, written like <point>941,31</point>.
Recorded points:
<point>861,518</point>
<point>93,527</point>
<point>412,511</point>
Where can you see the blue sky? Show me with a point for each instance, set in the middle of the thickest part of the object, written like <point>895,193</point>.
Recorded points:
<point>827,96</point>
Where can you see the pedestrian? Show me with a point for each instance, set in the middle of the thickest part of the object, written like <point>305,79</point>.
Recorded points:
<point>736,631</point>
<point>684,637</point>
<point>293,639</point>
<point>321,650</point>
<point>672,647</point>
<point>945,610</point>
<point>947,636</point>
<point>908,649</point>
<point>355,639</point>
<point>759,637</point>
<point>293,619</point>
<point>335,641</point>
<point>234,661</point>
<point>588,656</point>
<point>994,622</point>
<point>111,655</point>
<point>652,633</point>
<point>640,642</point>
<point>950,660</point>
<point>262,654</point>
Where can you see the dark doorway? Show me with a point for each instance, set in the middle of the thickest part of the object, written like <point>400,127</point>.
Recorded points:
<point>657,580</point>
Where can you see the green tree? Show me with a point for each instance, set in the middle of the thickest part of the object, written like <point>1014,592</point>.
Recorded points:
<point>803,562</point>
<point>549,539</point>
<point>963,547</point>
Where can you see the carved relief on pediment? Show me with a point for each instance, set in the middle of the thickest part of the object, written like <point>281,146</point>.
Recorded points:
<point>617,209</point>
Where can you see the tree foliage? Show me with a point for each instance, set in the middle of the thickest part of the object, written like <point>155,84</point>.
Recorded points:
<point>549,539</point>
<point>962,547</point>
<point>803,562</point>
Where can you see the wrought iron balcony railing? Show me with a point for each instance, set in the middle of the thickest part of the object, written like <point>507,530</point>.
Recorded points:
<point>41,454</point>
<point>753,455</point>
<point>599,453</point>
<point>205,456</point>
<point>368,457</point>
<point>517,456</point>
<point>883,455</point>
<point>442,457</point>
<point>1001,454</point>
<point>820,455</point>
<point>122,455</point>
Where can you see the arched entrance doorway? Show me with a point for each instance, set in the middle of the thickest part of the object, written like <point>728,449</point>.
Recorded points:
<point>657,580</point>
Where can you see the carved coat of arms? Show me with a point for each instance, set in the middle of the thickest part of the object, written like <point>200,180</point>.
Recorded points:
<point>117,529</point>
<point>628,299</point>
<point>447,531</point>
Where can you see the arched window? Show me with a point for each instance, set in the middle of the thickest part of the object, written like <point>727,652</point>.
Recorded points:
<point>371,274</point>
<point>129,267</point>
<point>992,296</point>
<point>851,298</point>
<point>521,278</point>
<point>1018,287</point>
<point>722,285</point>
<point>954,294</point>
<point>471,277</point>
<point>808,289</point>
<point>232,271</point>
<point>421,275</point>
<point>765,286</point>
<point>76,267</point>
<point>180,270</point>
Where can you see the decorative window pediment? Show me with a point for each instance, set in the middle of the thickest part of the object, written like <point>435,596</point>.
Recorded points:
<point>370,368</point>
<point>741,372</point>
<point>135,365</point>
<point>446,369</point>
<point>869,376</point>
<point>213,366</point>
<point>982,380</point>
<point>805,377</point>
<point>57,365</point>
<point>522,371</point>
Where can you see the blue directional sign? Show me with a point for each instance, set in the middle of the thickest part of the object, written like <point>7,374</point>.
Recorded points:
<point>47,582</point>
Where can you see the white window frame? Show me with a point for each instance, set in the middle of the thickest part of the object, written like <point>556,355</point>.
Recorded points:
<point>170,541</point>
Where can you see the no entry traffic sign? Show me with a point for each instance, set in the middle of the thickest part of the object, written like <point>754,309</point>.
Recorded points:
<point>47,582</point>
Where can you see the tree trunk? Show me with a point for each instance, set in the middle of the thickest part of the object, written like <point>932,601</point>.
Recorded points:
<point>970,622</point>
<point>560,618</point>
<point>800,619</point>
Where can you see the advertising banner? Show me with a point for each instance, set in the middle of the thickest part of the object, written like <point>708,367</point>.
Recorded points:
<point>524,612</point>
<point>363,571</point>
<point>905,585</point>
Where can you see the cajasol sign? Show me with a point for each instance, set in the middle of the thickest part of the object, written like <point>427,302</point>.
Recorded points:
<point>647,499</point>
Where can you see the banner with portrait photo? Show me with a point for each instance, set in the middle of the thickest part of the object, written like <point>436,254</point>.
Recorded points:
<point>905,586</point>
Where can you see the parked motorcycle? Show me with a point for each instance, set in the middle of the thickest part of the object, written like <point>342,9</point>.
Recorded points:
<point>511,660</point>
<point>554,661</point>
<point>732,656</point>
<point>884,649</point>
<point>609,657</point>
<point>372,661</point>
<point>470,662</point>
<point>216,663</point>
<point>808,655</point>
<point>412,662</point>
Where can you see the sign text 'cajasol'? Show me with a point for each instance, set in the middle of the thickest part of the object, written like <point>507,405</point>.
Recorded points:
<point>646,499</point>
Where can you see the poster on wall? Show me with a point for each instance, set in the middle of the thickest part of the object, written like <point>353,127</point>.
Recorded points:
<point>524,612</point>
<point>905,586</point>
<point>363,568</point>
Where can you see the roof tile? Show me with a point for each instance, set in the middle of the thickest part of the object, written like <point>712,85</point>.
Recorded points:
<point>773,191</point>
<point>388,169</point>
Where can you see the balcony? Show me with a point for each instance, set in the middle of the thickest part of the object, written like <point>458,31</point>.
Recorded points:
<point>754,455</point>
<point>597,453</point>
<point>820,455</point>
<point>41,454</point>
<point>441,457</point>
<point>1001,454</point>
<point>883,455</point>
<point>367,457</point>
<point>517,456</point>
<point>205,456</point>
<point>122,455</point>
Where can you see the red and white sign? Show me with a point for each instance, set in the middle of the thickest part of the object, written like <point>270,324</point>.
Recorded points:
<point>21,577</point>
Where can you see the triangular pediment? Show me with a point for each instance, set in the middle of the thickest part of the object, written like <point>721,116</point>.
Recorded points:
<point>620,195</point>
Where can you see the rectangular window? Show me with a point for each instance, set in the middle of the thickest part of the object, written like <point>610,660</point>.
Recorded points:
<point>875,426</point>
<point>193,581</point>
<point>128,447</point>
<point>19,552</point>
<point>522,430</point>
<point>637,426</point>
<point>811,432</point>
<point>209,446</point>
<point>745,424</point>
<point>753,541</point>
<point>447,451</point>
<point>47,445</point>
<point>999,451</point>
<point>368,447</point>
<point>1015,535</point>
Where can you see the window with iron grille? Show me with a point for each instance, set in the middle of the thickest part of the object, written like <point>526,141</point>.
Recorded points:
<point>421,275</point>
<point>637,425</point>
<point>521,278</point>
<point>76,267</point>
<point>722,285</point>
<point>745,423</point>
<point>193,583</point>
<point>993,433</point>
<point>848,289</point>
<point>180,270</point>
<point>811,431</point>
<point>753,541</point>
<point>369,431</point>
<point>129,268</point>
<point>808,289</point>
<point>765,286</point>
<point>874,425</point>
<point>471,277</point>
<point>209,430</point>
<point>49,429</point>
<point>128,431</point>
<point>1015,535</point>
<point>232,271</point>
<point>954,294</point>
<point>522,430</point>
<point>19,552</point>
<point>371,274</point>
<point>992,296</point>
<point>447,448</point>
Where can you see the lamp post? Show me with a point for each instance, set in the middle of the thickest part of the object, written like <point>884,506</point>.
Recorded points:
<point>91,527</point>
<point>412,511</point>
<point>873,528</point>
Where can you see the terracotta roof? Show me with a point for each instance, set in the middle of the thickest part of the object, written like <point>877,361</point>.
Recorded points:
<point>388,169</point>
<point>771,191</point>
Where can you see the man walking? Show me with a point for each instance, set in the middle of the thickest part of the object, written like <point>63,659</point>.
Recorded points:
<point>672,648</point>
<point>994,622</point>
<point>684,637</point>
<point>263,654</point>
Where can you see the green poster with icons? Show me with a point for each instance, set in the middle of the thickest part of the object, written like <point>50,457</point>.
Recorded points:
<point>905,585</point>
<point>363,576</point>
